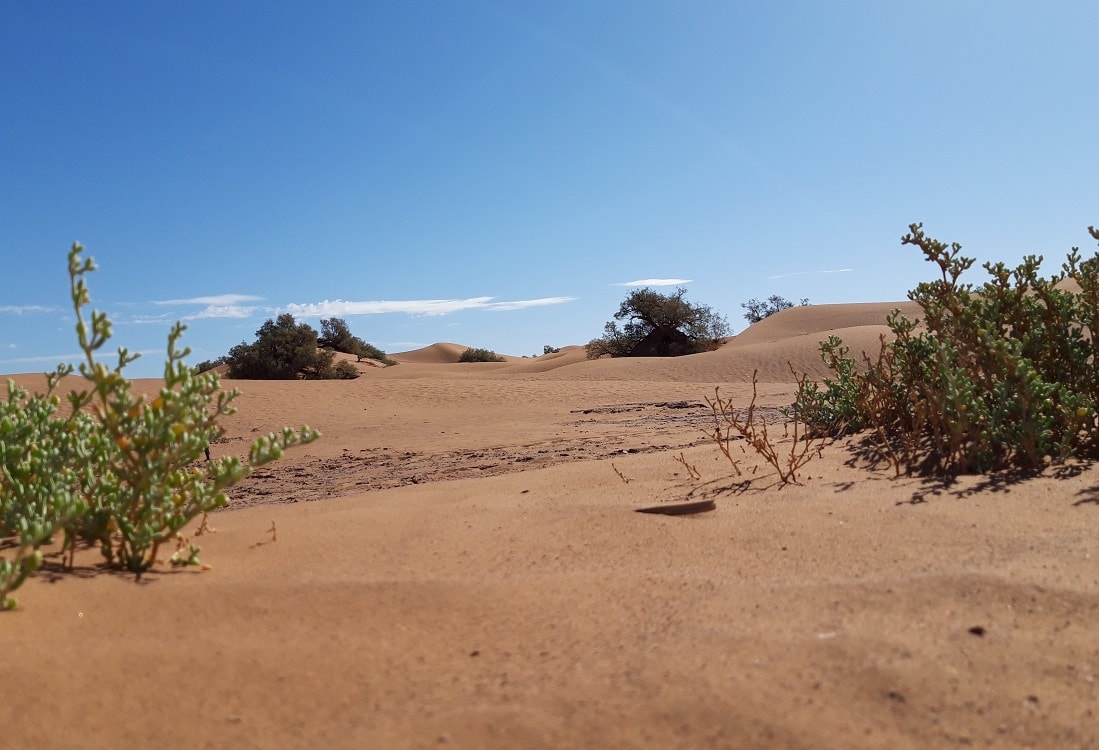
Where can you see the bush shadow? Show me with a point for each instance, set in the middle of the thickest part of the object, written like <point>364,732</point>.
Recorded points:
<point>55,568</point>
<point>999,482</point>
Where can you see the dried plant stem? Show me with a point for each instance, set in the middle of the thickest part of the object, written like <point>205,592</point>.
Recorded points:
<point>692,470</point>
<point>731,423</point>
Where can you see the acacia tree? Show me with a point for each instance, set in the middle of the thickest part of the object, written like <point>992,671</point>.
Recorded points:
<point>659,325</point>
<point>757,310</point>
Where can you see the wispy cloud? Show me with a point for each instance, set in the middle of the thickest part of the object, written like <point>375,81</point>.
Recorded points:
<point>526,303</point>
<point>653,282</point>
<point>426,307</point>
<point>26,309</point>
<point>55,359</point>
<point>215,300</point>
<point>217,306</point>
<point>809,273</point>
<point>50,358</point>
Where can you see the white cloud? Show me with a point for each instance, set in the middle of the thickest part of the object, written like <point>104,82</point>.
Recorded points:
<point>223,311</point>
<point>144,320</point>
<point>653,282</point>
<point>429,307</point>
<point>25,309</point>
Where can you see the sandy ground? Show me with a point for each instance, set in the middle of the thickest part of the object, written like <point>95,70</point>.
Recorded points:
<point>458,563</point>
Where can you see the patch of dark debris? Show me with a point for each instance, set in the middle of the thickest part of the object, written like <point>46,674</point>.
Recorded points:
<point>383,468</point>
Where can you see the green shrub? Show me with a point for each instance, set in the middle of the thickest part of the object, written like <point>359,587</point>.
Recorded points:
<point>1001,376</point>
<point>834,410</point>
<point>114,469</point>
<point>480,355</point>
<point>41,481</point>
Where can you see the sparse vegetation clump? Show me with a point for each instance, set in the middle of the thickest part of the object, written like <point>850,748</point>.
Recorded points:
<point>659,325</point>
<point>113,469</point>
<point>1004,376</point>
<point>758,310</point>
<point>287,350</point>
<point>480,355</point>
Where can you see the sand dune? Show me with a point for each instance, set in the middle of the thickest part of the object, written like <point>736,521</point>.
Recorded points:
<point>441,354</point>
<point>436,354</point>
<point>822,320</point>
<point>458,563</point>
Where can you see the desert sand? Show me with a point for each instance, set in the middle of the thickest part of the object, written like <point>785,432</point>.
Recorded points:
<point>458,563</point>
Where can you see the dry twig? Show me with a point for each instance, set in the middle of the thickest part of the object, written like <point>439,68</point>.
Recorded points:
<point>691,468</point>
<point>732,424</point>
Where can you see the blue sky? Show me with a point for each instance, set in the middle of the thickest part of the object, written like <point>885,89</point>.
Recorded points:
<point>497,173</point>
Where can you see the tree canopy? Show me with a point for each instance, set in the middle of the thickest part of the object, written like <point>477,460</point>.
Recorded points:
<point>283,350</point>
<point>659,325</point>
<point>335,334</point>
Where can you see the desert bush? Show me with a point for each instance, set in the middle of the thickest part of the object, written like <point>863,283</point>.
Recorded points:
<point>480,355</point>
<point>659,325</point>
<point>114,469</point>
<point>549,349</point>
<point>758,310</point>
<point>1001,376</point>
<point>344,370</point>
<point>283,350</point>
<point>210,364</point>
<point>40,483</point>
<point>336,335</point>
